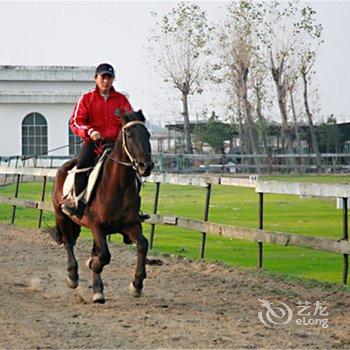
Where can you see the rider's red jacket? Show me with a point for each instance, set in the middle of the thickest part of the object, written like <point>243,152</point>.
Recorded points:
<point>94,112</point>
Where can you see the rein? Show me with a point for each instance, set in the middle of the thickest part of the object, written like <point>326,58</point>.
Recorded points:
<point>51,150</point>
<point>133,162</point>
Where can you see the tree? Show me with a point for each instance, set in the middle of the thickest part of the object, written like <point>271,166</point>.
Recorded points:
<point>278,34</point>
<point>307,54</point>
<point>238,51</point>
<point>330,136</point>
<point>178,50</point>
<point>214,133</point>
<point>287,29</point>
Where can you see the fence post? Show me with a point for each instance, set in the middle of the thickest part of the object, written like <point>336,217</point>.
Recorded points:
<point>160,162</point>
<point>23,164</point>
<point>35,162</point>
<point>345,237</point>
<point>261,226</point>
<point>206,214</point>
<point>42,199</point>
<point>16,166</point>
<point>16,195</point>
<point>155,208</point>
<point>8,165</point>
<point>177,163</point>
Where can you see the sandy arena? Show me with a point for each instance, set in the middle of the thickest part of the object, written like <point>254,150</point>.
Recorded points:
<point>185,304</point>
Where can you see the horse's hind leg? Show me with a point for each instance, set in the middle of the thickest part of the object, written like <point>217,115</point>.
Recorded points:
<point>72,278</point>
<point>69,234</point>
<point>135,234</point>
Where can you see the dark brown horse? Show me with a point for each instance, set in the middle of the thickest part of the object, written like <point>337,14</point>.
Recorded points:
<point>113,208</point>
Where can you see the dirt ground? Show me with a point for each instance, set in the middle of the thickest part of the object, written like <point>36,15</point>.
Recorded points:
<point>185,304</point>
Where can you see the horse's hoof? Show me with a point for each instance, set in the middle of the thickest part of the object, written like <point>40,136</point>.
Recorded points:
<point>98,298</point>
<point>72,284</point>
<point>134,291</point>
<point>88,262</point>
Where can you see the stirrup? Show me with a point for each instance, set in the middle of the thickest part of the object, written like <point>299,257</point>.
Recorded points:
<point>67,209</point>
<point>77,211</point>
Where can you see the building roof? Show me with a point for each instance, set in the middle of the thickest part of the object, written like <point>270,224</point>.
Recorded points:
<point>179,127</point>
<point>39,97</point>
<point>46,73</point>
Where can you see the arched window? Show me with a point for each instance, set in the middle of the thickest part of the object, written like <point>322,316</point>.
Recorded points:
<point>74,146</point>
<point>34,134</point>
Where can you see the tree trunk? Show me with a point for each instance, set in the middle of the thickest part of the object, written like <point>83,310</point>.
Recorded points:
<point>315,148</point>
<point>281,94</point>
<point>263,135</point>
<point>241,130</point>
<point>283,110</point>
<point>297,134</point>
<point>188,143</point>
<point>252,134</point>
<point>253,137</point>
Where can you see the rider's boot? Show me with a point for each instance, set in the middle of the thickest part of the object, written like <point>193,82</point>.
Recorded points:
<point>143,216</point>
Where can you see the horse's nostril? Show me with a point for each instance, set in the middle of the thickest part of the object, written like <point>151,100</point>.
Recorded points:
<point>145,168</point>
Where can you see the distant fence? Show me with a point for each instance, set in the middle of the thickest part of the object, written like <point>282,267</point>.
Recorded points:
<point>215,163</point>
<point>260,236</point>
<point>245,163</point>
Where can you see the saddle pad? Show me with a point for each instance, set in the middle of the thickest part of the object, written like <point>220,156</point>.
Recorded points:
<point>68,186</point>
<point>94,175</point>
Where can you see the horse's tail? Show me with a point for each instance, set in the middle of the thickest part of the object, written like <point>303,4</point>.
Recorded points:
<point>54,232</point>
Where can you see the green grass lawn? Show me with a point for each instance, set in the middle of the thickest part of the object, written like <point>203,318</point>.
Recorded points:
<point>235,206</point>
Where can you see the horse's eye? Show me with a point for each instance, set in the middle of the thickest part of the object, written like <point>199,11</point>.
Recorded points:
<point>128,135</point>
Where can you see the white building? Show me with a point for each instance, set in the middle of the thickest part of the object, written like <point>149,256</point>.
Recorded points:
<point>35,106</point>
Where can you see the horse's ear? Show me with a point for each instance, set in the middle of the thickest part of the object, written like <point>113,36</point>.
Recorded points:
<point>140,115</point>
<point>124,117</point>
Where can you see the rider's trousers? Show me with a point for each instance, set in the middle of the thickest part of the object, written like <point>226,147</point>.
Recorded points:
<point>86,158</point>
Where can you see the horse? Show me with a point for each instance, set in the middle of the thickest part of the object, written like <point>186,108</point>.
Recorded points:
<point>113,208</point>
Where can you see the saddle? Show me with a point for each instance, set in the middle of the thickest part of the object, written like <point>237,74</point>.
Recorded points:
<point>68,195</point>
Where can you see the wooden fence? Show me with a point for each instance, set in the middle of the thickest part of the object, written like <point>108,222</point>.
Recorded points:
<point>259,235</point>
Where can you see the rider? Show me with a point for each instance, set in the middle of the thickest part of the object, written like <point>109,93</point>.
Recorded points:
<point>94,119</point>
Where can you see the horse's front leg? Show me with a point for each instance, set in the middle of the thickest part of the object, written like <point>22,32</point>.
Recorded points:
<point>100,256</point>
<point>135,234</point>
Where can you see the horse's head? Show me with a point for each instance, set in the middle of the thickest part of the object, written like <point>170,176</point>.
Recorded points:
<point>135,141</point>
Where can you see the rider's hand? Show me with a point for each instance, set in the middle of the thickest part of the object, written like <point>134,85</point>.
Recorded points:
<point>95,135</point>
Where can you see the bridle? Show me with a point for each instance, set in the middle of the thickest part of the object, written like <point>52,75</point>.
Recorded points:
<point>133,163</point>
